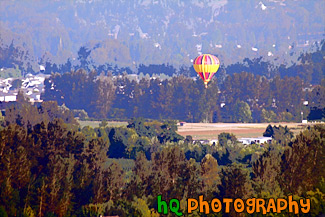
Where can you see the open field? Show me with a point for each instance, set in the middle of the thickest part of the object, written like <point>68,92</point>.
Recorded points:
<point>212,130</point>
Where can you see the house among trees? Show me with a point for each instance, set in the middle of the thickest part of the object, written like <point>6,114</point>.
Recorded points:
<point>31,85</point>
<point>8,97</point>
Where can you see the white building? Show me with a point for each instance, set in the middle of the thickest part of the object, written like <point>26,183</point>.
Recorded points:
<point>8,98</point>
<point>256,140</point>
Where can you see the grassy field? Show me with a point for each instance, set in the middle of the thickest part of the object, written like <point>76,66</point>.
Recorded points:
<point>94,124</point>
<point>212,130</point>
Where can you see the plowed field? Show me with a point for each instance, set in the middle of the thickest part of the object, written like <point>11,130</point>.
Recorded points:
<point>211,131</point>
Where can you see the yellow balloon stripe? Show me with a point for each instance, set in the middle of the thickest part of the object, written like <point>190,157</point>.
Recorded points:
<point>206,68</point>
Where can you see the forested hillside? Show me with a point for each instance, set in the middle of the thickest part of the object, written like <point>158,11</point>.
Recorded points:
<point>123,33</point>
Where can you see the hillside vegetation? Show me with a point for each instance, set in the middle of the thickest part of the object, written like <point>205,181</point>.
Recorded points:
<point>123,33</point>
<point>49,167</point>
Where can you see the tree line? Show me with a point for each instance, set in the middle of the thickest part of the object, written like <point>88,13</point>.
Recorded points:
<point>52,167</point>
<point>242,97</point>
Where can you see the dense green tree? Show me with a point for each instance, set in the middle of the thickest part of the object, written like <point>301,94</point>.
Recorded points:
<point>27,115</point>
<point>303,164</point>
<point>242,112</point>
<point>22,113</point>
<point>210,174</point>
<point>15,163</point>
<point>83,55</point>
<point>235,183</point>
<point>126,96</point>
<point>117,146</point>
<point>268,131</point>
<point>266,171</point>
<point>169,133</point>
<point>79,90</point>
<point>281,134</point>
<point>3,212</point>
<point>291,100</point>
<point>51,110</point>
<point>196,151</point>
<point>317,105</point>
<point>140,128</point>
<point>224,137</point>
<point>115,180</point>
<point>268,116</point>
<point>102,97</point>
<point>16,84</point>
<point>139,185</point>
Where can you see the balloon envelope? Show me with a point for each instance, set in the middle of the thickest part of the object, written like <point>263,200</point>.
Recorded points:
<point>206,65</point>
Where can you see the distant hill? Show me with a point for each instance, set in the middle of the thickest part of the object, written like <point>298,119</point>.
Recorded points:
<point>134,32</point>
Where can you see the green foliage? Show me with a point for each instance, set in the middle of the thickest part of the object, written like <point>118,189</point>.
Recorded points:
<point>117,143</point>
<point>296,170</point>
<point>16,84</point>
<point>317,198</point>
<point>169,133</point>
<point>242,112</point>
<point>317,105</point>
<point>281,134</point>
<point>27,155</point>
<point>2,118</point>
<point>89,133</point>
<point>10,73</point>
<point>210,174</point>
<point>140,128</point>
<point>96,209</point>
<point>268,116</point>
<point>27,115</point>
<point>223,139</point>
<point>80,113</point>
<point>235,183</point>
<point>261,93</point>
<point>285,117</point>
<point>78,90</point>
<point>141,205</point>
<point>266,170</point>
<point>306,154</point>
<point>3,212</point>
<point>196,151</point>
<point>269,131</point>
<point>247,97</point>
<point>51,169</point>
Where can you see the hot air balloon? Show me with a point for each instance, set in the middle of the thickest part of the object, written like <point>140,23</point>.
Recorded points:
<point>206,65</point>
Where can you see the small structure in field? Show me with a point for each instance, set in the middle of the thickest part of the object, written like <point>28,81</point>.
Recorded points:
<point>182,123</point>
